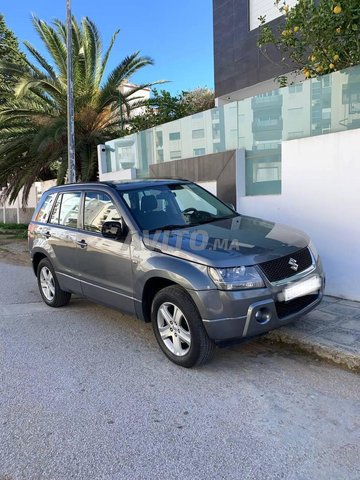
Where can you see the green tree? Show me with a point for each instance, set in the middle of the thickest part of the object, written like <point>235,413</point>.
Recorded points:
<point>164,107</point>
<point>33,133</point>
<point>10,52</point>
<point>315,37</point>
<point>198,100</point>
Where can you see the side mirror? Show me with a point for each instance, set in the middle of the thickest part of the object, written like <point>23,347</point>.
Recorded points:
<point>114,230</point>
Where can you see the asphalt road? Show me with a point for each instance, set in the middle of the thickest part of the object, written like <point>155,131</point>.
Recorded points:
<point>85,393</point>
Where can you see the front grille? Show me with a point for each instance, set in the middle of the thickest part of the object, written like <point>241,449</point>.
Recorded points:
<point>280,268</point>
<point>284,309</point>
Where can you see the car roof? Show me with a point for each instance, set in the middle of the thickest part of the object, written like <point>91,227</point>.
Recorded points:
<point>122,185</point>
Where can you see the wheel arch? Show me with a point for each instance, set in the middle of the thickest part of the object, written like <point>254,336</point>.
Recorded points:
<point>152,286</point>
<point>163,271</point>
<point>36,259</point>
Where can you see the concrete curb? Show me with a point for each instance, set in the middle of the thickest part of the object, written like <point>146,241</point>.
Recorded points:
<point>307,344</point>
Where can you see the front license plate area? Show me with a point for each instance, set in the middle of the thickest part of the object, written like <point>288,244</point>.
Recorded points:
<point>304,287</point>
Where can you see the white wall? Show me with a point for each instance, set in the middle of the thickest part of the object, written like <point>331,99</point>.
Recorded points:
<point>16,211</point>
<point>265,7</point>
<point>321,195</point>
<point>126,174</point>
<point>209,186</point>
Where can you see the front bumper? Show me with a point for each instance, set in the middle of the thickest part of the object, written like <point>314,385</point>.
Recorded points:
<point>239,314</point>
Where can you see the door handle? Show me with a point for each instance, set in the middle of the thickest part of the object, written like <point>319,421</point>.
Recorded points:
<point>81,243</point>
<point>47,234</point>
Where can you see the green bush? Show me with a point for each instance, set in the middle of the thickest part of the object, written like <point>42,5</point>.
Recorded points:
<point>13,226</point>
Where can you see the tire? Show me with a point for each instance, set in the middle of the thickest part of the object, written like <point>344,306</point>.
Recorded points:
<point>184,341</point>
<point>49,286</point>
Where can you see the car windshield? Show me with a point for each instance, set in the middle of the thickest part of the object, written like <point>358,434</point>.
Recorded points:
<point>172,206</point>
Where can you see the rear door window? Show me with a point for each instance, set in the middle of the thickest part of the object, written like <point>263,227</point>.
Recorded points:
<point>66,210</point>
<point>69,210</point>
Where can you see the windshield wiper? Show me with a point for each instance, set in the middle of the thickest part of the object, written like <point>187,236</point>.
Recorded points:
<point>168,227</point>
<point>214,219</point>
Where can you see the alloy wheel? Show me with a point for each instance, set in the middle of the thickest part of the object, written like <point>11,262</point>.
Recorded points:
<point>174,329</point>
<point>47,283</point>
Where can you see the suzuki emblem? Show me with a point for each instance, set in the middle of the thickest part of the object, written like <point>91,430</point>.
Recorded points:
<point>293,264</point>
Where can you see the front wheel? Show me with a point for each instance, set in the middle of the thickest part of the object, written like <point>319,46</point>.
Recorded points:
<point>49,286</point>
<point>178,328</point>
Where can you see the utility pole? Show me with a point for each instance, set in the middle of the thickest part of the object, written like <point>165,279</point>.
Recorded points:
<point>70,97</point>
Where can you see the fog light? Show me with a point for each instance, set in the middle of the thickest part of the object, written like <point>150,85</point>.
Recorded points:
<point>263,315</point>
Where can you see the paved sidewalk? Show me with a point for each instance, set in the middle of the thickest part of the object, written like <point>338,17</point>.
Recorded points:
<point>332,332</point>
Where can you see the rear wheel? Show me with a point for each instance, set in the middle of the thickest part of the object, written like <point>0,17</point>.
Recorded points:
<point>49,286</point>
<point>178,328</point>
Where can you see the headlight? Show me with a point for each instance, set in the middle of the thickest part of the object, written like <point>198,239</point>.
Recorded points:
<point>236,278</point>
<point>313,250</point>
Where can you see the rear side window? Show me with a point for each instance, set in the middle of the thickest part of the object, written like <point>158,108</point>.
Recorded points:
<point>99,208</point>
<point>45,208</point>
<point>54,217</point>
<point>66,210</point>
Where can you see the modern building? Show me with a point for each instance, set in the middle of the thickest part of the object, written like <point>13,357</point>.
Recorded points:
<point>241,70</point>
<point>284,154</point>
<point>140,95</point>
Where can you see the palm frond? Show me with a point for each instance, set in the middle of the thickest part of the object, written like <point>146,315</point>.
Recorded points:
<point>53,43</point>
<point>33,123</point>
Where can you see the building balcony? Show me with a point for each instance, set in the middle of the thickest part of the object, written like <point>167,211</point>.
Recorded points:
<point>268,101</point>
<point>266,125</point>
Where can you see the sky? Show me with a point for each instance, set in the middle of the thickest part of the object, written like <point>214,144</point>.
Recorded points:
<point>176,34</point>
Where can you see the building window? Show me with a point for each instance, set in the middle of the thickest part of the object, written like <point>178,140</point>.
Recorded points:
<point>159,139</point>
<point>175,154</point>
<point>174,136</point>
<point>267,172</point>
<point>326,81</point>
<point>216,131</point>
<point>217,148</point>
<point>159,156</point>
<point>296,88</point>
<point>199,133</point>
<point>199,151</point>
<point>215,114</point>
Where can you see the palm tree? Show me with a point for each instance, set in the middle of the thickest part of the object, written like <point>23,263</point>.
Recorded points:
<point>33,133</point>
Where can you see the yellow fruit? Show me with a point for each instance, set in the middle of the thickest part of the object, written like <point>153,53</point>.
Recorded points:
<point>296,29</point>
<point>337,9</point>
<point>286,8</point>
<point>338,30</point>
<point>331,66</point>
<point>319,69</point>
<point>313,58</point>
<point>307,74</point>
<point>336,58</point>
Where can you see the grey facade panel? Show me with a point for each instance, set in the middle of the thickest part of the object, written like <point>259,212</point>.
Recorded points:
<point>238,61</point>
<point>217,166</point>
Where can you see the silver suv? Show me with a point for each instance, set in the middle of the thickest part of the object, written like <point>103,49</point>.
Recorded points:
<point>171,253</point>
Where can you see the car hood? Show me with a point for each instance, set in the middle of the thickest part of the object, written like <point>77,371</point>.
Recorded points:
<point>231,242</point>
